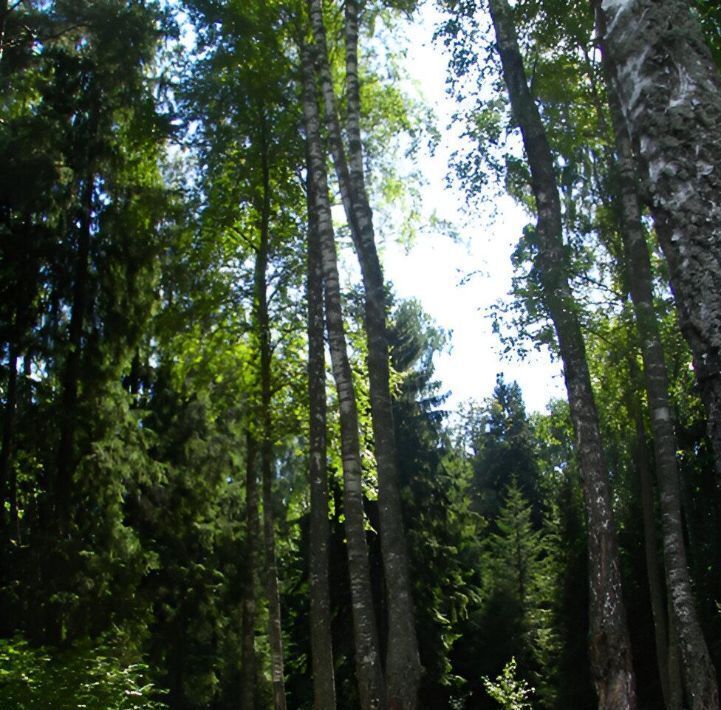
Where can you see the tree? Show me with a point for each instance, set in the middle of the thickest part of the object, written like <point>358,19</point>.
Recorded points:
<point>504,451</point>
<point>610,649</point>
<point>321,640</point>
<point>677,147</point>
<point>678,150</point>
<point>91,201</point>
<point>369,671</point>
<point>402,661</point>
<point>684,621</point>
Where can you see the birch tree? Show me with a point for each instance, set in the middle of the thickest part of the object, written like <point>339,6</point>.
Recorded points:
<point>609,643</point>
<point>324,697</point>
<point>696,662</point>
<point>369,672</point>
<point>669,88</point>
<point>402,660</point>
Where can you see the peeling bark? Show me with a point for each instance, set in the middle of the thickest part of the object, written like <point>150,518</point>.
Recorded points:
<point>670,91</point>
<point>403,667</point>
<point>371,683</point>
<point>697,668</point>
<point>609,644</point>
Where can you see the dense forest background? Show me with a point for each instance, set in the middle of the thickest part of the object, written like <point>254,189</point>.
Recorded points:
<point>199,511</point>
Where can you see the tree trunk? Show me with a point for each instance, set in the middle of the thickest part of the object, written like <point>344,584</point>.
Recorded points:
<point>368,666</point>
<point>71,376</point>
<point>266,435</point>
<point>320,610</point>
<point>609,644</point>
<point>8,486</point>
<point>4,12</point>
<point>668,671</point>
<point>403,667</point>
<point>696,664</point>
<point>670,92</point>
<point>674,662</point>
<point>248,664</point>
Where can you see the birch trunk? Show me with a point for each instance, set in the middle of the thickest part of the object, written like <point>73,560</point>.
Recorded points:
<point>609,644</point>
<point>697,668</point>
<point>250,604</point>
<point>369,672</point>
<point>403,667</point>
<point>266,438</point>
<point>670,92</point>
<point>669,670</point>
<point>8,484</point>
<point>324,697</point>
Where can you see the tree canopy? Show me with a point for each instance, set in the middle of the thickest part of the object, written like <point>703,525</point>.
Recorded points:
<point>230,472</point>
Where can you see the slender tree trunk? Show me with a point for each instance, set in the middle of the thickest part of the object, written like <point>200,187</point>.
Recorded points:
<point>670,92</point>
<point>320,610</point>
<point>698,671</point>
<point>7,479</point>
<point>250,604</point>
<point>71,376</point>
<point>669,674</point>
<point>609,644</point>
<point>4,12</point>
<point>371,683</point>
<point>266,436</point>
<point>403,667</point>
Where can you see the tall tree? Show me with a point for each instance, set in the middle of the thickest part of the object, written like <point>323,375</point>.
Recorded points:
<point>262,323</point>
<point>669,88</point>
<point>90,205</point>
<point>697,665</point>
<point>320,610</point>
<point>371,682</point>
<point>402,661</point>
<point>609,643</point>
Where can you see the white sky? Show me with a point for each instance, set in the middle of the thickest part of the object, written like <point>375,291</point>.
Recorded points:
<point>432,271</point>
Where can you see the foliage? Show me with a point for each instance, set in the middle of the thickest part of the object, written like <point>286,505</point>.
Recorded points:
<point>510,692</point>
<point>90,675</point>
<point>138,140</point>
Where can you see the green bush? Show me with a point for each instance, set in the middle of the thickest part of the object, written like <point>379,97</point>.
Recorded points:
<point>510,692</point>
<point>90,676</point>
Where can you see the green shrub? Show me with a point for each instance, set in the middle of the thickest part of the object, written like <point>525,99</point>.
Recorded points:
<point>509,692</point>
<point>89,676</point>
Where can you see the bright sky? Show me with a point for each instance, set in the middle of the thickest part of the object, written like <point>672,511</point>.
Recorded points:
<point>435,267</point>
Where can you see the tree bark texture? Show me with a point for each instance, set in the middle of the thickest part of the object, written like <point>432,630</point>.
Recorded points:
<point>266,434</point>
<point>609,644</point>
<point>403,667</point>
<point>698,672</point>
<point>250,603</point>
<point>670,92</point>
<point>371,683</point>
<point>324,697</point>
